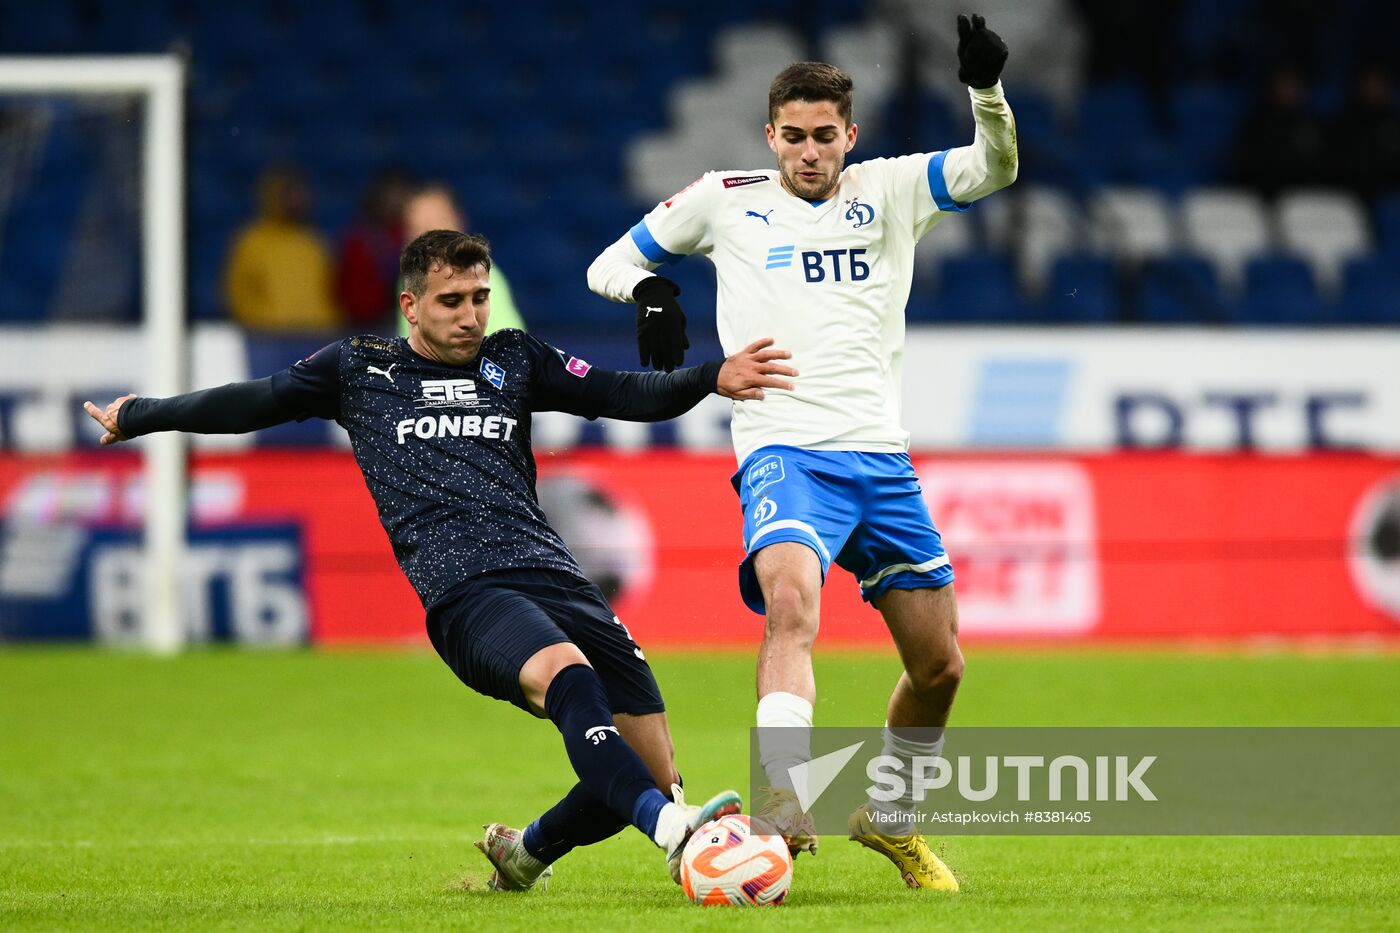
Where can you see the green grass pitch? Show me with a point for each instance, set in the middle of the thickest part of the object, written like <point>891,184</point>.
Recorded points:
<point>227,789</point>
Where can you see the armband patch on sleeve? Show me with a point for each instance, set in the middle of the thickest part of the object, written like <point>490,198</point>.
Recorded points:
<point>578,367</point>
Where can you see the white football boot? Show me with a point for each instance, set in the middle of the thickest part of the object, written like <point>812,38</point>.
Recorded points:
<point>515,868</point>
<point>679,821</point>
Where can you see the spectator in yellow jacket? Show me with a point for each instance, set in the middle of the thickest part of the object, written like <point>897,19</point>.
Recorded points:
<point>278,275</point>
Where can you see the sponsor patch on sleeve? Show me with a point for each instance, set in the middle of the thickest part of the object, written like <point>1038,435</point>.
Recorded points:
<point>739,181</point>
<point>578,367</point>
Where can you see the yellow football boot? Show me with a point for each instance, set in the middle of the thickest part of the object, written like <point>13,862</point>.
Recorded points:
<point>910,854</point>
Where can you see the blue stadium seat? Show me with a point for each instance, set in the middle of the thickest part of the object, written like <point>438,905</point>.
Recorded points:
<point>923,308</point>
<point>1280,290</point>
<point>1370,292</point>
<point>1115,121</point>
<point>981,289</point>
<point>1060,162</point>
<point>1082,290</point>
<point>1205,120</point>
<point>1035,115</point>
<point>1120,108</point>
<point>1388,224</point>
<point>1048,156</point>
<point>1159,163</point>
<point>931,124</point>
<point>1179,290</point>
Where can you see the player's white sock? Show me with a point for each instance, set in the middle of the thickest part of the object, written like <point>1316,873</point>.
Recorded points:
<point>896,817</point>
<point>784,736</point>
<point>670,827</point>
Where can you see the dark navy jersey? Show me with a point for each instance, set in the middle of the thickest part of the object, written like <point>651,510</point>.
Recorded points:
<point>445,450</point>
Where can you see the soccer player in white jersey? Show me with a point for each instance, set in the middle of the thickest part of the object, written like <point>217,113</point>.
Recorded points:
<point>819,254</point>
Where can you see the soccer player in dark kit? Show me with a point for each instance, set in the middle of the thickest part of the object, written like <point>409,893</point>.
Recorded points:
<point>439,423</point>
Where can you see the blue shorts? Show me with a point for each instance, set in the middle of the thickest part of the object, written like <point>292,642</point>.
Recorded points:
<point>487,628</point>
<point>864,510</point>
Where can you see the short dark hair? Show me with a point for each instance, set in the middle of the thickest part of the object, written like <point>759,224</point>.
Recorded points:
<point>458,251</point>
<point>811,82</point>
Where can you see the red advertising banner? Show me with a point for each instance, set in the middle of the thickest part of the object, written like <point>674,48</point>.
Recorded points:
<point>1149,546</point>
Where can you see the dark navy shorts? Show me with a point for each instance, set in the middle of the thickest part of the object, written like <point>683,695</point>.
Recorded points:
<point>490,626</point>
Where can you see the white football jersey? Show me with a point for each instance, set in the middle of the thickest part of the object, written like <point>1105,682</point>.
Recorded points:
<point>827,280</point>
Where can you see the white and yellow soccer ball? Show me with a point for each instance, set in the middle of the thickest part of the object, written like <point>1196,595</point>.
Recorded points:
<point>736,861</point>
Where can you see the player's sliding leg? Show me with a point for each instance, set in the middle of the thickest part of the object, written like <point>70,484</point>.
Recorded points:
<point>558,681</point>
<point>523,857</point>
<point>924,623</point>
<point>790,576</point>
<point>581,819</point>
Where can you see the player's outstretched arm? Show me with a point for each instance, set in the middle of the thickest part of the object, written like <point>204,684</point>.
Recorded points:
<point>643,396</point>
<point>662,396</point>
<point>235,408</point>
<point>992,161</point>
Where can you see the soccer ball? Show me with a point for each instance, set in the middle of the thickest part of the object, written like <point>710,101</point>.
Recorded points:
<point>736,860</point>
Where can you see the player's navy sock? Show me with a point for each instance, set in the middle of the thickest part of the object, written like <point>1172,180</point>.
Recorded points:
<point>580,819</point>
<point>605,764</point>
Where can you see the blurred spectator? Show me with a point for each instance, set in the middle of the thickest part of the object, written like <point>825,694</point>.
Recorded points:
<point>368,266</point>
<point>278,275</point>
<point>1367,136</point>
<point>1281,143</point>
<point>434,207</point>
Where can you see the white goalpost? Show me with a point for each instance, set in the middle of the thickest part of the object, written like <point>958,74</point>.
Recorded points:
<point>159,80</point>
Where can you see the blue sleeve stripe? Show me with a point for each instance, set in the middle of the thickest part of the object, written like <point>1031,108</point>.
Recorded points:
<point>938,186</point>
<point>652,250</point>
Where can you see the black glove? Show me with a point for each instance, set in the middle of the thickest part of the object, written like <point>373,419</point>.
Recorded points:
<point>981,53</point>
<point>661,335</point>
